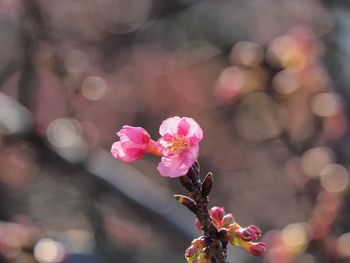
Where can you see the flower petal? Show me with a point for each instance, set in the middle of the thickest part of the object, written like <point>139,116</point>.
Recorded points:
<point>172,167</point>
<point>135,134</point>
<point>194,129</point>
<point>183,127</point>
<point>132,144</point>
<point>190,155</point>
<point>169,126</point>
<point>125,156</point>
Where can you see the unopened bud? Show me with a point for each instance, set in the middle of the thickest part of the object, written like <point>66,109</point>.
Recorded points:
<point>249,233</point>
<point>196,166</point>
<point>227,220</point>
<point>207,185</point>
<point>217,214</point>
<point>190,252</point>
<point>258,249</point>
<point>186,183</point>
<point>198,242</point>
<point>193,174</point>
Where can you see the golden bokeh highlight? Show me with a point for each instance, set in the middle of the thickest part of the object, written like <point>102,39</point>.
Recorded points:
<point>295,237</point>
<point>93,88</point>
<point>334,178</point>
<point>76,61</point>
<point>314,160</point>
<point>247,53</point>
<point>48,251</point>
<point>65,135</point>
<point>285,82</point>
<point>63,132</point>
<point>325,104</point>
<point>230,83</point>
<point>284,51</point>
<point>343,245</point>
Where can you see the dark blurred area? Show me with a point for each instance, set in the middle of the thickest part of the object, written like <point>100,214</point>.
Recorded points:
<point>267,80</point>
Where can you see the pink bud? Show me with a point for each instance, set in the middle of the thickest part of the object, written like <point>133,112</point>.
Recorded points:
<point>258,249</point>
<point>217,214</point>
<point>249,233</point>
<point>198,242</point>
<point>132,145</point>
<point>193,252</point>
<point>190,251</point>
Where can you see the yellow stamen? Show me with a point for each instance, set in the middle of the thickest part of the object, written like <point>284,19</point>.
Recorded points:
<point>178,144</point>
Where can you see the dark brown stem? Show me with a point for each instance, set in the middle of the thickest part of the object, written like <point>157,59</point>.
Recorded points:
<point>215,248</point>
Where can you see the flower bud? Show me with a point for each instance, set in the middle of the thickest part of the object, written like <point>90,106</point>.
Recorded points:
<point>190,252</point>
<point>186,183</point>
<point>133,144</point>
<point>255,249</point>
<point>198,242</point>
<point>207,185</point>
<point>258,249</point>
<point>192,174</point>
<point>217,214</point>
<point>227,220</point>
<point>196,166</point>
<point>249,233</point>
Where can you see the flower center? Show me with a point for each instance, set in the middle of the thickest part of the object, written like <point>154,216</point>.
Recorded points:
<point>178,144</point>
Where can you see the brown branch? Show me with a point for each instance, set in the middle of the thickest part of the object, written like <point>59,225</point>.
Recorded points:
<point>215,246</point>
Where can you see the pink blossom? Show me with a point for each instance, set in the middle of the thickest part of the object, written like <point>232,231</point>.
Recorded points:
<point>134,143</point>
<point>179,145</point>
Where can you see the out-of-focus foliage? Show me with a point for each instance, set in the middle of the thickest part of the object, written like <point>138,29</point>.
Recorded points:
<point>266,80</point>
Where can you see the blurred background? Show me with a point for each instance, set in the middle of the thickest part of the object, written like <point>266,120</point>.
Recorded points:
<point>267,80</point>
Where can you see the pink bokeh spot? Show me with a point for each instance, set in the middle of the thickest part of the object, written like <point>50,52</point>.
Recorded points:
<point>179,145</point>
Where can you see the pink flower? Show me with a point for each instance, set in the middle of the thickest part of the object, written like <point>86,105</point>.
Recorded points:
<point>179,145</point>
<point>134,143</point>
